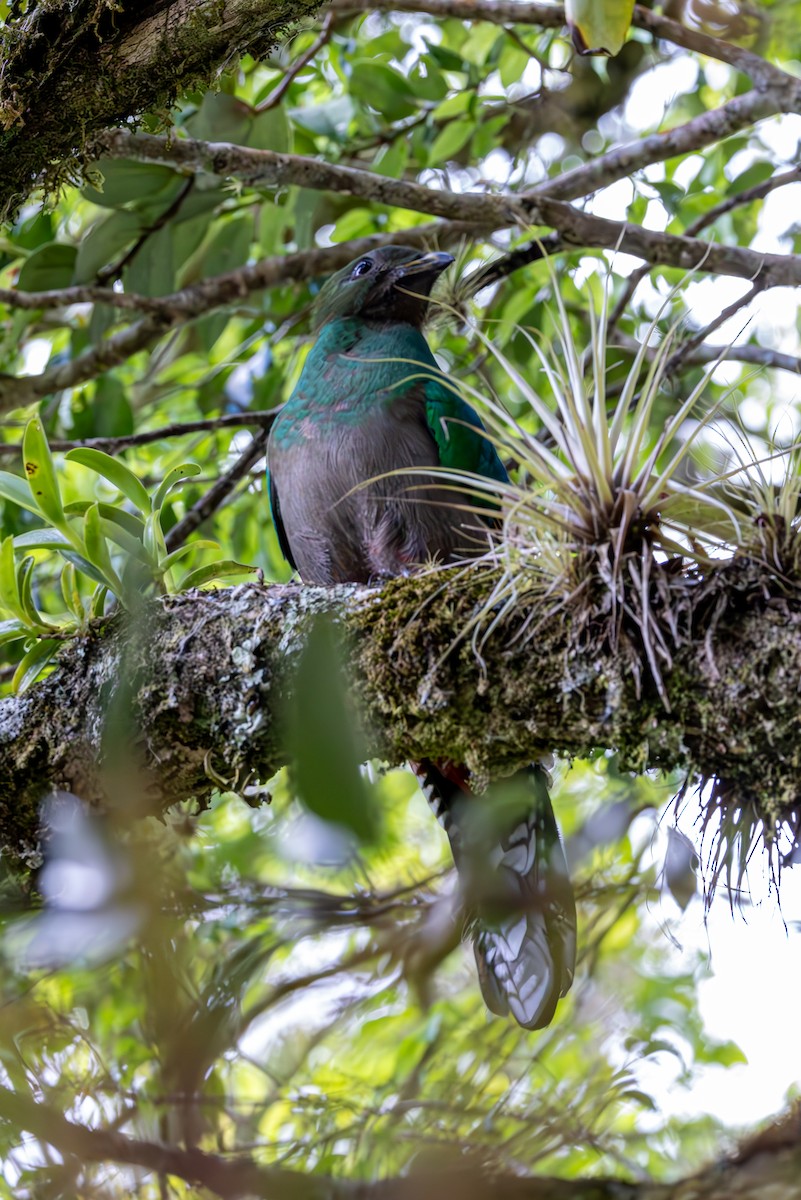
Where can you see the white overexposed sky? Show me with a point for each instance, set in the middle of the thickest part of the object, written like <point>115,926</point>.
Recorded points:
<point>751,998</point>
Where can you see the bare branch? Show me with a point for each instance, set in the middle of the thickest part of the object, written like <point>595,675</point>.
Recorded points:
<point>762,356</point>
<point>267,168</point>
<point>80,294</point>
<point>624,161</point>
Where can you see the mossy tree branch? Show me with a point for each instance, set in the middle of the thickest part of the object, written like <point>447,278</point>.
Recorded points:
<point>71,70</point>
<point>197,685</point>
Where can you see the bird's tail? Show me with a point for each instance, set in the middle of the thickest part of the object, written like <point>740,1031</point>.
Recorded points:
<point>512,866</point>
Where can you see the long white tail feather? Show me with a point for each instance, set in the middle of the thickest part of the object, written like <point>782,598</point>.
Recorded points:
<point>519,888</point>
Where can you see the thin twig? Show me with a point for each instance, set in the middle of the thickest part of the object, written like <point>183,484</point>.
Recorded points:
<point>115,445</point>
<point>216,496</point>
<point>277,94</point>
<point>757,192</point>
<point>692,343</point>
<point>106,274</point>
<point>762,356</point>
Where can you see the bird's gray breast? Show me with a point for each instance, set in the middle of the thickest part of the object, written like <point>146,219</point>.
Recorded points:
<point>346,515</point>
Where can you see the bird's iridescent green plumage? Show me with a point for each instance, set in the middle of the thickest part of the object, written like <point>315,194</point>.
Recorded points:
<point>370,401</point>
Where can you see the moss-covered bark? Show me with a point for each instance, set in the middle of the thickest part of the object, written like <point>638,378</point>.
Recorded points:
<point>70,70</point>
<point>195,688</point>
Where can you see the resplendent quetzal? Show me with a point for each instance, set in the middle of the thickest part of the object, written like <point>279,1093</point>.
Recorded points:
<point>371,401</point>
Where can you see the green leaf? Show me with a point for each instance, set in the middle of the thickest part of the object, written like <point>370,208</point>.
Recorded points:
<point>271,131</point>
<point>33,663</point>
<point>104,241</point>
<point>126,182</point>
<point>215,570</point>
<point>450,140</point>
<point>671,195</point>
<point>110,409</point>
<point>9,591</point>
<point>134,525</point>
<point>153,538</point>
<point>201,544</point>
<point>330,119</point>
<point>304,209</point>
<point>226,249</point>
<point>41,472</point>
<point>357,222</point>
<point>117,532</point>
<point>97,549</point>
<point>12,630</point>
<point>724,1054</point>
<point>47,269</point>
<point>221,118</point>
<point>599,26</point>
<point>446,58</point>
<point>25,585</point>
<point>393,159</point>
<point>115,472</point>
<point>322,738</point>
<point>33,232</point>
<point>486,136</point>
<point>98,603</point>
<point>456,105</point>
<point>383,88</point>
<point>427,82</point>
<point>229,245</point>
<point>174,478</point>
<point>69,590</point>
<point>151,272</point>
<point>641,1098</point>
<point>17,491</point>
<point>513,63</point>
<point>757,173</point>
<point>85,567</point>
<point>42,539</point>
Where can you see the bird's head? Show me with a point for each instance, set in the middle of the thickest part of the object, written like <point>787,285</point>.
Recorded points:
<point>392,283</point>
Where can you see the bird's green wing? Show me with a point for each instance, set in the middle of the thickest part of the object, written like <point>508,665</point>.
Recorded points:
<point>459,433</point>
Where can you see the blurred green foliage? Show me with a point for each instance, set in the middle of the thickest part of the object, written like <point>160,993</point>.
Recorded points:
<point>256,985</point>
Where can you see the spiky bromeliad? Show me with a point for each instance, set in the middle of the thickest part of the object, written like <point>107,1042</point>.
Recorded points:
<point>371,402</point>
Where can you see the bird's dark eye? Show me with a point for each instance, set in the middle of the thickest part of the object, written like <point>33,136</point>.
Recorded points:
<point>362,267</point>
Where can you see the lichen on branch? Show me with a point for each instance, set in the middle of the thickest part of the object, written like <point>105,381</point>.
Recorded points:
<point>199,683</point>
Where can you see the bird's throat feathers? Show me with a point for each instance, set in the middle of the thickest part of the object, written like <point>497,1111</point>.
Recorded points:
<point>356,364</point>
